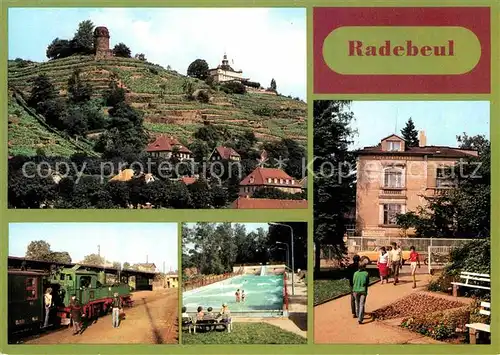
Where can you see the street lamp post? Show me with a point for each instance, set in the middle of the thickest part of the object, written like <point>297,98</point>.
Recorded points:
<point>293,259</point>
<point>287,253</point>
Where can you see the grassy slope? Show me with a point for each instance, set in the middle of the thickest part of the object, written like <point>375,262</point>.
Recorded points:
<point>245,333</point>
<point>26,135</point>
<point>166,109</point>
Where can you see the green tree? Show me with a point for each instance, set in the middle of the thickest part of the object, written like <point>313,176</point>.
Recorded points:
<point>410,134</point>
<point>126,265</point>
<point>200,193</point>
<point>277,194</point>
<point>38,250</point>
<point>59,48</point>
<point>94,259</point>
<point>78,90</point>
<point>334,175</point>
<point>273,86</point>
<point>84,37</point>
<point>41,90</point>
<point>75,122</point>
<point>288,155</point>
<point>198,69</point>
<point>462,211</point>
<point>140,56</point>
<point>121,50</point>
<point>60,257</point>
<point>115,94</point>
<point>117,265</point>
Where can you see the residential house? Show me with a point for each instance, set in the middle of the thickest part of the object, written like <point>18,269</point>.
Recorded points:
<point>224,72</point>
<point>224,153</point>
<point>165,146</point>
<point>269,178</point>
<point>393,179</point>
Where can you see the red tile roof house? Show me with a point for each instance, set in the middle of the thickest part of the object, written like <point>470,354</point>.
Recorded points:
<point>224,153</point>
<point>266,178</point>
<point>163,147</point>
<point>267,203</point>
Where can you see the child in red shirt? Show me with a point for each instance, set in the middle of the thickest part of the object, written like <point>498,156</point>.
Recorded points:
<point>414,261</point>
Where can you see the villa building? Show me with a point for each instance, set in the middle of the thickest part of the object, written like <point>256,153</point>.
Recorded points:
<point>269,178</point>
<point>393,179</point>
<point>224,72</point>
<point>165,146</point>
<point>224,154</point>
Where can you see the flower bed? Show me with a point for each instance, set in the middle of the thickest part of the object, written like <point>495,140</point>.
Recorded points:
<point>443,325</point>
<point>415,305</point>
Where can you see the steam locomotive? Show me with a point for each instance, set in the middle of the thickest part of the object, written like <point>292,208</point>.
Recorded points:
<point>26,290</point>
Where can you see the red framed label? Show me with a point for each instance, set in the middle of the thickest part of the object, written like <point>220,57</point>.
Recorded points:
<point>474,19</point>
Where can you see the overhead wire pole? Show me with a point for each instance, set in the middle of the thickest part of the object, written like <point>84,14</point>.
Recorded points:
<point>293,258</point>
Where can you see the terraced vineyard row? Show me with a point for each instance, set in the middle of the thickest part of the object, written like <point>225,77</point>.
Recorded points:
<point>159,93</point>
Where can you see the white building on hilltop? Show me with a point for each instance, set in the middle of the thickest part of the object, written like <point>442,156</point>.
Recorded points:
<point>224,72</point>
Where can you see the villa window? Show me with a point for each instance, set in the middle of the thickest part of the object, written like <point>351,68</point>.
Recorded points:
<point>393,178</point>
<point>445,177</point>
<point>393,146</point>
<point>269,180</point>
<point>391,210</point>
<point>275,180</point>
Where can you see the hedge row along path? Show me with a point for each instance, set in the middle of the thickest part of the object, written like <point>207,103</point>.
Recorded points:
<point>334,324</point>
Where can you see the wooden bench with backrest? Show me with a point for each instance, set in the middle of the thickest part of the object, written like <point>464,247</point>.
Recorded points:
<point>475,328</point>
<point>188,324</point>
<point>476,278</point>
<point>214,324</point>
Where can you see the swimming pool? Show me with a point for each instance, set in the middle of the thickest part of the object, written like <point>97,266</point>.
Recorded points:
<point>264,296</point>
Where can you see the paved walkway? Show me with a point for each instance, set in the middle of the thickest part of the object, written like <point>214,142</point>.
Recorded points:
<point>333,321</point>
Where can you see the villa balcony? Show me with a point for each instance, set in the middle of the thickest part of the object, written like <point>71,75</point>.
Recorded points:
<point>392,192</point>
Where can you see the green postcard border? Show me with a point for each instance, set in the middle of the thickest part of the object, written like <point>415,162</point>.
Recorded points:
<point>305,215</point>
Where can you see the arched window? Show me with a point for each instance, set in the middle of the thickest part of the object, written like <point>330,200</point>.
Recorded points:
<point>393,177</point>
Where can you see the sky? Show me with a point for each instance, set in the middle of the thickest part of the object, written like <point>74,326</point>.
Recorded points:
<point>441,121</point>
<point>265,43</point>
<point>123,242</point>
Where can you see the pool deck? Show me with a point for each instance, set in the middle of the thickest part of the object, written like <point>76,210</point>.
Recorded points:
<point>297,311</point>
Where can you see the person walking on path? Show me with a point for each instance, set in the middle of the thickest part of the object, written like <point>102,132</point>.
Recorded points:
<point>395,259</point>
<point>414,262</point>
<point>361,280</point>
<point>383,265</point>
<point>76,314</point>
<point>116,307</point>
<point>351,269</point>
<point>48,305</point>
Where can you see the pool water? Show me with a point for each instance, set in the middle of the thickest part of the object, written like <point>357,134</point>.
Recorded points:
<point>264,295</point>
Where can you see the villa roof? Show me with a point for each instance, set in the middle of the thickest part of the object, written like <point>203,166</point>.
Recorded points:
<point>261,175</point>
<point>434,151</point>
<point>188,180</point>
<point>226,153</point>
<point>267,203</point>
<point>166,144</point>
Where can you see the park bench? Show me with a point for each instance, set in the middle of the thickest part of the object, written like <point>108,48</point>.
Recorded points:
<point>209,325</point>
<point>476,328</point>
<point>466,277</point>
<point>187,324</point>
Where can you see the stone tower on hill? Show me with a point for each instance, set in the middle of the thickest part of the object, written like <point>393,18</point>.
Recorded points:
<point>101,43</point>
